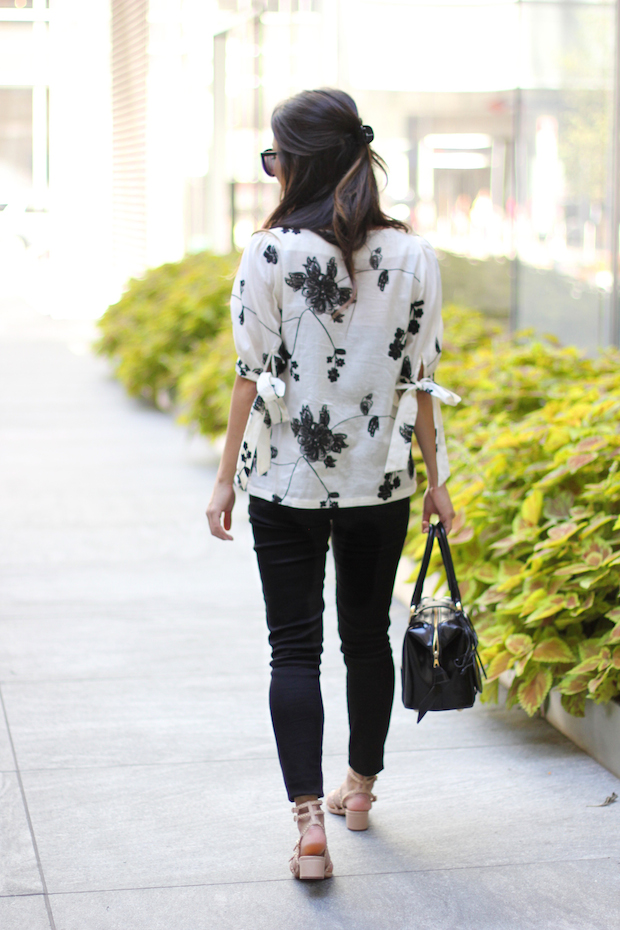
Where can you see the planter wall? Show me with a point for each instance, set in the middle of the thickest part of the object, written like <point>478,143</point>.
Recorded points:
<point>598,733</point>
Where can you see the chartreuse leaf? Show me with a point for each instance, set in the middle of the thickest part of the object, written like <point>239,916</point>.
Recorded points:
<point>595,683</point>
<point>490,691</point>
<point>614,615</point>
<point>547,608</point>
<point>595,524</point>
<point>575,704</point>
<point>532,601</point>
<point>519,644</point>
<point>573,684</point>
<point>614,636</point>
<point>521,664</point>
<point>553,650</point>
<point>499,664</point>
<point>606,690</point>
<point>532,507</point>
<point>532,693</point>
<point>588,665</point>
<point>487,573</point>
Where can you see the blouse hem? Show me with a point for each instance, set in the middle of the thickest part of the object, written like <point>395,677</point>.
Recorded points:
<point>303,504</point>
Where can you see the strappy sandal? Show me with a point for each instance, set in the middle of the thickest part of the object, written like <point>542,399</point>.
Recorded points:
<point>336,800</point>
<point>310,814</point>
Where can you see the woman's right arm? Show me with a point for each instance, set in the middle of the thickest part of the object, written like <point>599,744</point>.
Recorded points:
<point>223,497</point>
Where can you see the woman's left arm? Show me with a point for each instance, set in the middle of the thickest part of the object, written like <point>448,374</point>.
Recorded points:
<point>223,496</point>
<point>436,499</point>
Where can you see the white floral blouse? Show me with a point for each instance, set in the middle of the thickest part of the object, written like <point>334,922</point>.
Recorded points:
<point>337,391</point>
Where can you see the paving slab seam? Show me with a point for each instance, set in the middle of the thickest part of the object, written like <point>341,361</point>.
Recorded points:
<point>129,678</point>
<point>337,875</point>
<point>244,760</point>
<point>22,894</point>
<point>33,840</point>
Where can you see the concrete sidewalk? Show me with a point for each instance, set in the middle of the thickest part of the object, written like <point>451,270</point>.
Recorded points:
<point>140,786</point>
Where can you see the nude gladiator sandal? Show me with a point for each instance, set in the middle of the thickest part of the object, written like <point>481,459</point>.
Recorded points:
<point>309,814</point>
<point>336,800</point>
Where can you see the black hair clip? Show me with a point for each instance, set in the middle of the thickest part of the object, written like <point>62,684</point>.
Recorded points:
<point>366,134</point>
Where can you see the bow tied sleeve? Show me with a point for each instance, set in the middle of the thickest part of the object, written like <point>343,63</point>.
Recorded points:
<point>422,353</point>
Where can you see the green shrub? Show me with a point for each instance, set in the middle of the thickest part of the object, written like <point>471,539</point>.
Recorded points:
<point>205,385</point>
<point>534,452</point>
<point>164,319</point>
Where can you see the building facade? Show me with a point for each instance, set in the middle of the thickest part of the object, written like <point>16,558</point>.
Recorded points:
<point>130,133</point>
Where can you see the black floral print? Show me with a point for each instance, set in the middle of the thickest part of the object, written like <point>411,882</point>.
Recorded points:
<point>375,258</point>
<point>406,431</point>
<point>390,483</point>
<point>416,314</point>
<point>366,404</point>
<point>259,404</point>
<point>316,439</point>
<point>330,500</point>
<point>396,348</point>
<point>245,458</point>
<point>320,290</point>
<point>306,326</point>
<point>338,361</point>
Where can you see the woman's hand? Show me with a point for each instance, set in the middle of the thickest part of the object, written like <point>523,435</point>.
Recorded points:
<point>437,500</point>
<point>222,502</point>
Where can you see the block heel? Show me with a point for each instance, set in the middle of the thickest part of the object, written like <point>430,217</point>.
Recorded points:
<point>356,820</point>
<point>312,867</point>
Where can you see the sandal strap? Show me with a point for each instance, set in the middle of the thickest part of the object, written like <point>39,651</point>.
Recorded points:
<point>310,811</point>
<point>364,785</point>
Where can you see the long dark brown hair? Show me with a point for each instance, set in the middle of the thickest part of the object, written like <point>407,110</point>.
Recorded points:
<point>328,171</point>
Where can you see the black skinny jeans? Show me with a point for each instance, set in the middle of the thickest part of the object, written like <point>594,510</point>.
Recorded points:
<point>291,544</point>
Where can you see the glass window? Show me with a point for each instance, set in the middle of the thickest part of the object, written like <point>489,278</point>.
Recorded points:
<point>562,215</point>
<point>15,143</point>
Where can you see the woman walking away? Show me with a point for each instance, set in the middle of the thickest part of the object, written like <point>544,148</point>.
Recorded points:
<point>336,314</point>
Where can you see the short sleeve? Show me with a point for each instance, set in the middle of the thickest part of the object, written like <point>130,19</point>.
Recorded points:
<point>424,341</point>
<point>255,306</point>
<point>425,333</point>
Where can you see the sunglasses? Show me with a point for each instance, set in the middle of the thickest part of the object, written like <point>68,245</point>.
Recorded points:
<point>268,158</point>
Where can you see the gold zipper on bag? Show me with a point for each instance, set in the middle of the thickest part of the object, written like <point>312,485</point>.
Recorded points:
<point>435,638</point>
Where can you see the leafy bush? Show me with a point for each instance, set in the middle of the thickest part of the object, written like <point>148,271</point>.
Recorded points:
<point>536,486</point>
<point>165,320</point>
<point>205,385</point>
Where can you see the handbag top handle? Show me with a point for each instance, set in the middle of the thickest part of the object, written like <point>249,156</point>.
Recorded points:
<point>436,530</point>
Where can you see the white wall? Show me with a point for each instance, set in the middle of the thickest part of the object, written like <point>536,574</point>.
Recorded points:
<point>80,157</point>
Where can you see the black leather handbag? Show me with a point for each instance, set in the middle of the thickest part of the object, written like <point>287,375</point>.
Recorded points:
<point>441,666</point>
